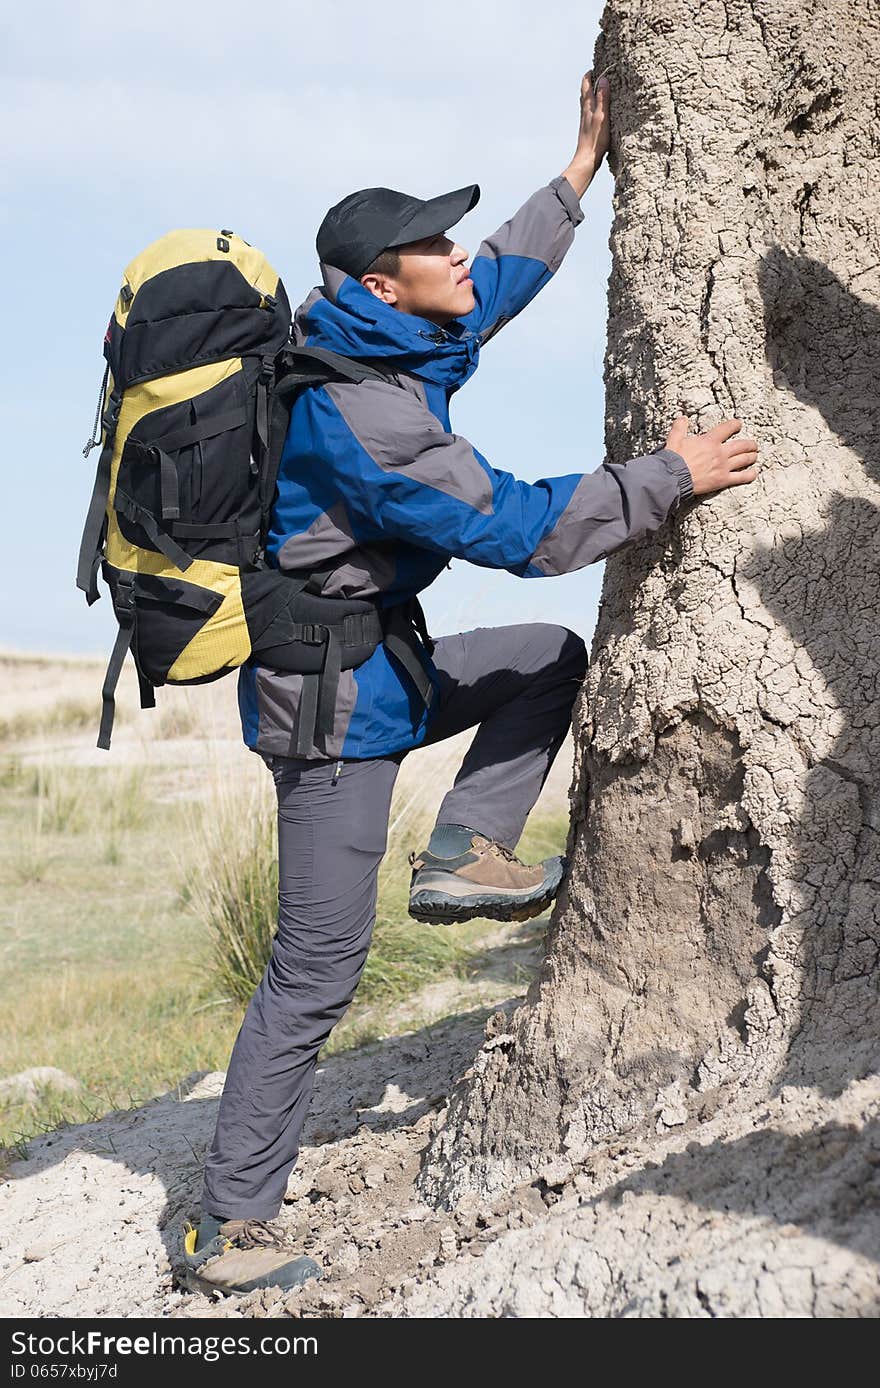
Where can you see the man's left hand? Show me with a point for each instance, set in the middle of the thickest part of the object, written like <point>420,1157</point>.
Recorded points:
<point>594,133</point>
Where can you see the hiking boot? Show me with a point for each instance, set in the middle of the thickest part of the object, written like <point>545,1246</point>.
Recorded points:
<point>241,1255</point>
<point>486,880</point>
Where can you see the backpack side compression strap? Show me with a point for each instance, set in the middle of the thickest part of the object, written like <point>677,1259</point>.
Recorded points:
<point>92,543</point>
<point>124,607</point>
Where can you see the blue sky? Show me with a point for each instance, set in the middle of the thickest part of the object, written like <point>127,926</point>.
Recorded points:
<point>120,122</point>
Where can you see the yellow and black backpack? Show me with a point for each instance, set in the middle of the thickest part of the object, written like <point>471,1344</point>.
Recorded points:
<point>193,412</point>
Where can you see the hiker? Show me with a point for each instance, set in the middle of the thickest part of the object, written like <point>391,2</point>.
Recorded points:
<point>376,494</point>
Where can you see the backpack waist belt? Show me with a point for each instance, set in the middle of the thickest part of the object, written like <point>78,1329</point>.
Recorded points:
<point>406,632</point>
<point>320,651</point>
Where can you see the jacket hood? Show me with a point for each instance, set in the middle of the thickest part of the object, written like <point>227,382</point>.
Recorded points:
<point>344,317</point>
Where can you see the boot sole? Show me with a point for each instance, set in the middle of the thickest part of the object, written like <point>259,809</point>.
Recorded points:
<point>437,908</point>
<point>439,913</point>
<point>194,1283</point>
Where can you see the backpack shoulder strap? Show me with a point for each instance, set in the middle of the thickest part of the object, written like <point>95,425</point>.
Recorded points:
<point>333,361</point>
<point>300,366</point>
<point>296,367</point>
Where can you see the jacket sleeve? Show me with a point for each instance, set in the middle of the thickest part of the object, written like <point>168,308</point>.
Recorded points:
<point>521,256</point>
<point>404,477</point>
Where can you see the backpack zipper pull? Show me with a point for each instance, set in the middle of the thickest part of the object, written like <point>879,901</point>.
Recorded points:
<point>337,773</point>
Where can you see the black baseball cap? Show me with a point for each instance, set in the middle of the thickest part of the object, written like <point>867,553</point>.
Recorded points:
<point>373,220</point>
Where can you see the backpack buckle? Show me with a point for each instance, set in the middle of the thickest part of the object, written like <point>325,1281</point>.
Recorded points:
<point>110,417</point>
<point>123,599</point>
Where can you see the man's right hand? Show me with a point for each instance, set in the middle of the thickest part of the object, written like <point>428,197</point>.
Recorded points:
<point>715,460</point>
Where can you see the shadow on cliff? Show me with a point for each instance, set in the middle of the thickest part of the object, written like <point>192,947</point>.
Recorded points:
<point>823,344</point>
<point>826,1181</point>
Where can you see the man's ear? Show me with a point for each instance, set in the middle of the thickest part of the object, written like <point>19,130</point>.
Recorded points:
<point>381,286</point>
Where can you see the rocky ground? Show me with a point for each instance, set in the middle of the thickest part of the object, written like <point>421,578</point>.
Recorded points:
<point>759,1214</point>
<point>768,1211</point>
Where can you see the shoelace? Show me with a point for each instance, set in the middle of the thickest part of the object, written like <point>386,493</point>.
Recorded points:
<point>255,1233</point>
<point>507,853</point>
<point>497,848</point>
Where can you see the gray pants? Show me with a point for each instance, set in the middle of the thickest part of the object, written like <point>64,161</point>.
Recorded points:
<point>518,683</point>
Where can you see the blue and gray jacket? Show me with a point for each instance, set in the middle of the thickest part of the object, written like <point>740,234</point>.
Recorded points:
<point>375,487</point>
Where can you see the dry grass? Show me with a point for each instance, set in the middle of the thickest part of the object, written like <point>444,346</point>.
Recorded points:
<point>233,889</point>
<point>122,1037</point>
<point>177,720</point>
<point>122,875</point>
<point>67,714</point>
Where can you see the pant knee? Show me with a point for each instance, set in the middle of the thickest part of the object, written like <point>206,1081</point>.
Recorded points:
<point>574,654</point>
<point>566,657</point>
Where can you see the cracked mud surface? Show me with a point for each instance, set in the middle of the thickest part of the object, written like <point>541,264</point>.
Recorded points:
<point>719,938</point>
<point>92,1220</point>
<point>770,1213</point>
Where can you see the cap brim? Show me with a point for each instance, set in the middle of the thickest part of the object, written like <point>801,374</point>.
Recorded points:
<point>438,214</point>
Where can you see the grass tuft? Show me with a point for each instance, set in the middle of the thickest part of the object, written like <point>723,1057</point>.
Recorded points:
<point>123,1035</point>
<point>234,893</point>
<point>177,719</point>
<point>126,980</point>
<point>65,715</point>
<point>234,890</point>
<point>124,801</point>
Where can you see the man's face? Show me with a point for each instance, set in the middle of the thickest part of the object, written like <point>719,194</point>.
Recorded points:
<point>432,281</point>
